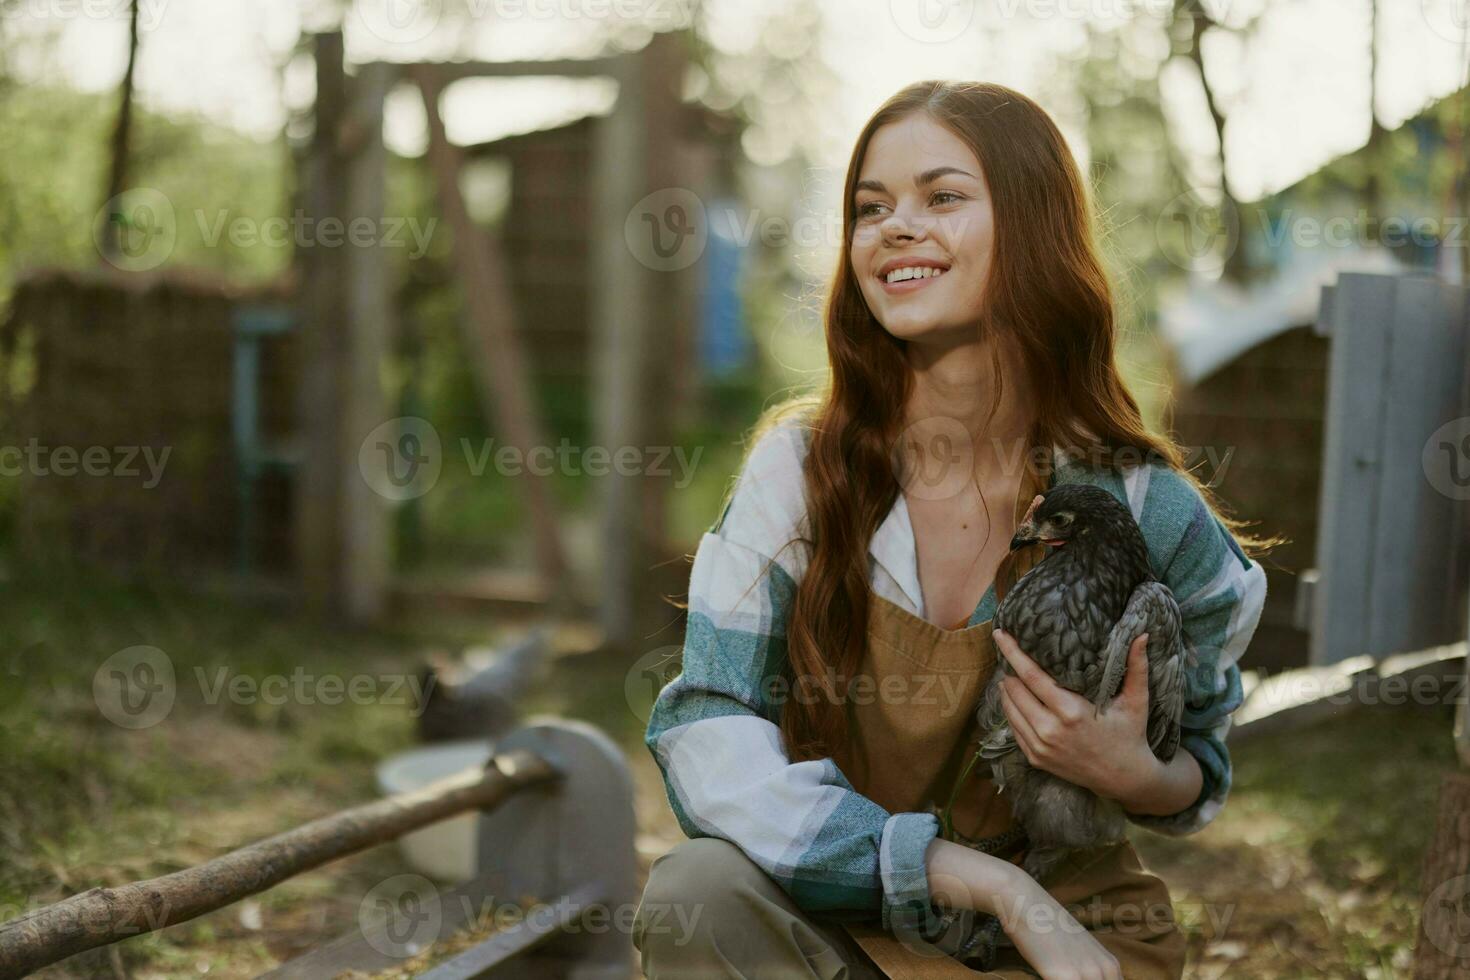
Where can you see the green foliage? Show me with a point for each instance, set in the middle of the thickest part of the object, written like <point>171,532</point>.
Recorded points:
<point>57,158</point>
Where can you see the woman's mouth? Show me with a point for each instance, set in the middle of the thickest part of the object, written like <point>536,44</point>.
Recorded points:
<point>910,278</point>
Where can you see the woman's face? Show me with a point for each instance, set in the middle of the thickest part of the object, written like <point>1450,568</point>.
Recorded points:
<point>921,201</point>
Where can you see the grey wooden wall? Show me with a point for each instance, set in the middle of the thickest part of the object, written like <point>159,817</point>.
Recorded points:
<point>1391,548</point>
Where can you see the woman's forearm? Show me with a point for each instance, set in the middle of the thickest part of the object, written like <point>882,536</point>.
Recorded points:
<point>960,877</point>
<point>1165,788</point>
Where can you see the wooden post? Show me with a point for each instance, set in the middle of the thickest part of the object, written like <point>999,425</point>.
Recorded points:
<point>638,320</point>
<point>347,326</point>
<point>370,314</point>
<point>323,343</point>
<point>490,339</point>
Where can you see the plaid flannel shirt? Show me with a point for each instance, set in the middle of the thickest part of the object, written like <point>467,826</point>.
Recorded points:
<point>713,729</point>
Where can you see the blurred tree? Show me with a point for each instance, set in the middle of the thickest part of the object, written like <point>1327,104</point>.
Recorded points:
<point>117,177</point>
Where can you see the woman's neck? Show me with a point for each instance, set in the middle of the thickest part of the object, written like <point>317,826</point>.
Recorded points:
<point>959,382</point>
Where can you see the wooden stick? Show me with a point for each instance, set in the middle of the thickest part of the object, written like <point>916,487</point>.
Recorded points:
<point>489,329</point>
<point>100,916</point>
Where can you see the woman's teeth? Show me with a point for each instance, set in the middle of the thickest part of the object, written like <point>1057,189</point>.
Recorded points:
<point>914,272</point>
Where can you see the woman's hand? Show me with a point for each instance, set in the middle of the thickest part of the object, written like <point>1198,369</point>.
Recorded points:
<point>1059,731</point>
<point>1045,933</point>
<point>1053,942</point>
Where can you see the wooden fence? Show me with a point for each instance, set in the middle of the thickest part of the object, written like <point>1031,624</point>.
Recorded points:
<point>557,823</point>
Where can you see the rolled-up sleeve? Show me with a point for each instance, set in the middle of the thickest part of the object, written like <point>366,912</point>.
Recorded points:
<point>714,729</point>
<point>1221,593</point>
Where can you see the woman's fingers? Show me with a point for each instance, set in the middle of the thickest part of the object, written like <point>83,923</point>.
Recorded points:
<point>1025,734</point>
<point>1047,691</point>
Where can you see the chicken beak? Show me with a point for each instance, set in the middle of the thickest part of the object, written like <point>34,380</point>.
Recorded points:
<point>1026,531</point>
<point>1025,534</point>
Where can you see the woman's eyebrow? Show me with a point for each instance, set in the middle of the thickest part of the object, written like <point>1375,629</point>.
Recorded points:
<point>927,177</point>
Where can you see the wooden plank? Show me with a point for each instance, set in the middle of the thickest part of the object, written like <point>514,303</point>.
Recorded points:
<point>523,936</point>
<point>1292,699</point>
<point>1361,311</point>
<point>490,336</point>
<point>1412,603</point>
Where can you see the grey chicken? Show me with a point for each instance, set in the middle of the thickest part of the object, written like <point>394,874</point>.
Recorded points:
<point>1075,614</point>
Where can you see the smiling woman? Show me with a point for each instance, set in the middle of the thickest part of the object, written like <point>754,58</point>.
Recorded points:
<point>866,546</point>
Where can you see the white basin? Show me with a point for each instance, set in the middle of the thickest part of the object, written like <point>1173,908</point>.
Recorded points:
<point>446,850</point>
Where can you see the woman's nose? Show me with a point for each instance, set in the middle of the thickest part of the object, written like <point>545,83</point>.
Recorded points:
<point>900,227</point>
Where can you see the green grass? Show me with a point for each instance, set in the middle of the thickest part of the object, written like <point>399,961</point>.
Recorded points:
<point>84,802</point>
<point>1316,858</point>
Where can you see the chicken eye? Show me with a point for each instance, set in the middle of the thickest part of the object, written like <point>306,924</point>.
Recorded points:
<point>1064,518</point>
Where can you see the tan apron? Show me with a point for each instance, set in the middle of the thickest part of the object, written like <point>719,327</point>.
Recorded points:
<point>907,751</point>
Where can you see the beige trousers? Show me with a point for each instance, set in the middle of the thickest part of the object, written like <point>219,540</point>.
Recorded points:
<point>710,913</point>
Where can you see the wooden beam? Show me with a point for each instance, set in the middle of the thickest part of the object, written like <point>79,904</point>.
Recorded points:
<point>490,337</point>
<point>637,320</point>
<point>578,68</point>
<point>100,916</point>
<point>317,528</point>
<point>371,290</point>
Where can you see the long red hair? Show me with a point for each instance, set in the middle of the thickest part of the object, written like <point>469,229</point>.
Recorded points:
<point>1046,285</point>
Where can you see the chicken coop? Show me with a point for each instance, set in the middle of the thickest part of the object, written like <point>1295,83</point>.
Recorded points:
<point>1265,402</point>
<point>144,404</point>
<point>264,399</point>
<point>1250,398</point>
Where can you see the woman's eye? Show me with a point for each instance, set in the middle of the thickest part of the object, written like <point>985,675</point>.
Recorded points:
<point>870,208</point>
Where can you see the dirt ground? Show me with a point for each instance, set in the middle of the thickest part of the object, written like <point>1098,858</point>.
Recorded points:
<point>1312,870</point>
